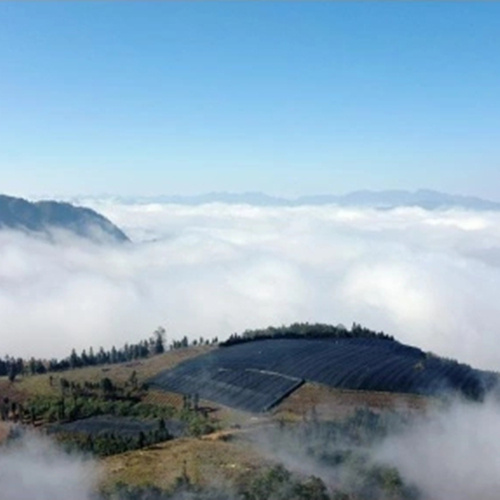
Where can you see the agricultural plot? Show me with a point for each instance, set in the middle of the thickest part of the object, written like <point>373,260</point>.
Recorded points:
<point>246,389</point>
<point>119,426</point>
<point>254,376</point>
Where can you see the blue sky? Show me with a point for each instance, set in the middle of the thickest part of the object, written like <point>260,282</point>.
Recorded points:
<point>286,98</point>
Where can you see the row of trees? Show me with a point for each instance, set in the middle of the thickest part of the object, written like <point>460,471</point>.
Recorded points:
<point>11,367</point>
<point>308,331</point>
<point>184,342</point>
<point>156,344</point>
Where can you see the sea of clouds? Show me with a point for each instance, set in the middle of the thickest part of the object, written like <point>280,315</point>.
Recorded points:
<point>430,278</point>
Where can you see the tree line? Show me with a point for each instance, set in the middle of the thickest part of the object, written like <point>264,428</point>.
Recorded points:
<point>306,331</point>
<point>11,367</point>
<point>156,344</point>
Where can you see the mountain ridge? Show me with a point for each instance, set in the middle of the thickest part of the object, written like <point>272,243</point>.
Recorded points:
<point>386,199</point>
<point>44,216</point>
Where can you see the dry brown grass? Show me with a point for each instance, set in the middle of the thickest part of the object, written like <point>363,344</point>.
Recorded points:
<point>12,390</point>
<point>205,461</point>
<point>160,398</point>
<point>119,373</point>
<point>329,403</point>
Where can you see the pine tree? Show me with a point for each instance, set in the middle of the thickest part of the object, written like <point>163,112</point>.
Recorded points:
<point>159,340</point>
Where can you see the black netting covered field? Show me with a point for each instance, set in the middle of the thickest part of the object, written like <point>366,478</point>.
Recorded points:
<point>247,389</point>
<point>256,375</point>
<point>119,426</point>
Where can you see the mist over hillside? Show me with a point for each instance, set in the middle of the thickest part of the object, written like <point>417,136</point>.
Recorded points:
<point>450,453</point>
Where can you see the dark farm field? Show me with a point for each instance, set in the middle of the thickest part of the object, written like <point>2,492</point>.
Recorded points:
<point>257,375</point>
<point>119,426</point>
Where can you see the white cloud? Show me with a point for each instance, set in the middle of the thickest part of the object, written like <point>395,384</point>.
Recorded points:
<point>429,278</point>
<point>451,454</point>
<point>34,469</point>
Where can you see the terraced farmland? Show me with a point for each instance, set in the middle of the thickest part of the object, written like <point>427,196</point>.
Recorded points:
<point>256,375</point>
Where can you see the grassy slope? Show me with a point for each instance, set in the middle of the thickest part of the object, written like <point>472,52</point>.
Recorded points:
<point>119,373</point>
<point>206,461</point>
<point>224,456</point>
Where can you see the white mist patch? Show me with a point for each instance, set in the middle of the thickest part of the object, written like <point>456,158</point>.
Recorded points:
<point>429,278</point>
<point>452,454</point>
<point>34,469</point>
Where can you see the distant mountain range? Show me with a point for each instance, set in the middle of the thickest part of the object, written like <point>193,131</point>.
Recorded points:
<point>424,198</point>
<point>43,217</point>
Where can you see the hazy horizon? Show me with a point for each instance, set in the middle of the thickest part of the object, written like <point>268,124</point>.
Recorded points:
<point>248,196</point>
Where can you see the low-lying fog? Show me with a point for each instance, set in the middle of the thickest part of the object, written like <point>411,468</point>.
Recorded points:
<point>453,454</point>
<point>450,453</point>
<point>34,469</point>
<point>429,278</point>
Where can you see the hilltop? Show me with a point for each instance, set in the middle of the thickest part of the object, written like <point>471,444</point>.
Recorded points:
<point>194,415</point>
<point>256,371</point>
<point>45,217</point>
